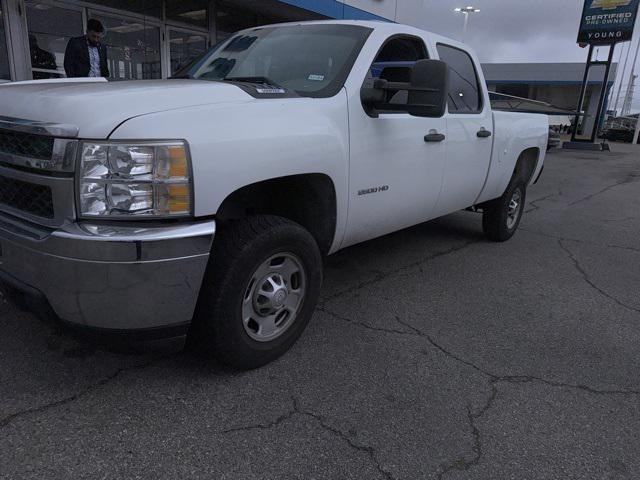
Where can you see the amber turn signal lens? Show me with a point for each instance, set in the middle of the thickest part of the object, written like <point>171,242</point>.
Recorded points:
<point>178,162</point>
<point>179,199</point>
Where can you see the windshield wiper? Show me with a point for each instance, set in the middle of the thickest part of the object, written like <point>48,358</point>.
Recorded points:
<point>255,80</point>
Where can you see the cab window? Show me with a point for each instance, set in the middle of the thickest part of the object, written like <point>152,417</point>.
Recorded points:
<point>464,87</point>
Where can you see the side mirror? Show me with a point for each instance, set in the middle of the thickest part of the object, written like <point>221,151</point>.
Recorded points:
<point>426,93</point>
<point>428,90</point>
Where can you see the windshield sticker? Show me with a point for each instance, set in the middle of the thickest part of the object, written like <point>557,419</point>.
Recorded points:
<point>316,78</point>
<point>270,90</point>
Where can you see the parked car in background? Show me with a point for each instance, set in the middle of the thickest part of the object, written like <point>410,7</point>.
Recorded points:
<point>618,135</point>
<point>554,139</point>
<point>620,129</point>
<point>203,205</point>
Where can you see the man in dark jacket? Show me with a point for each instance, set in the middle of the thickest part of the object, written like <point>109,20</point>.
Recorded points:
<point>85,56</point>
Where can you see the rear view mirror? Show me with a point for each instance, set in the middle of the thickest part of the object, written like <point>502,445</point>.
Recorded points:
<point>428,91</point>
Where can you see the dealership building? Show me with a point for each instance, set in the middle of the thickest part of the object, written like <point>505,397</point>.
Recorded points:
<point>555,83</point>
<point>150,39</point>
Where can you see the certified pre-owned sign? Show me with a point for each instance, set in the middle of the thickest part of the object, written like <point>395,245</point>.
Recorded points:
<point>607,21</point>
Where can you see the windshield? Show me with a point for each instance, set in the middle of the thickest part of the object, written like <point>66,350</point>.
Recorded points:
<point>310,60</point>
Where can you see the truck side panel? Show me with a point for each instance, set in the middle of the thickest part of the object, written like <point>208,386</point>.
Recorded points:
<point>513,134</point>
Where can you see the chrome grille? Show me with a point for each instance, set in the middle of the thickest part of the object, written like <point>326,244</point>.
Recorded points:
<point>48,147</point>
<point>27,197</point>
<point>37,162</point>
<point>26,145</point>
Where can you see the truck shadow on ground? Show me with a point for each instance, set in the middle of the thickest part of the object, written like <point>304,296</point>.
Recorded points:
<point>349,267</point>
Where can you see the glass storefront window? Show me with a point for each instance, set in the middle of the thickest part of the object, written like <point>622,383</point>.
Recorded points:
<point>192,12</point>
<point>133,48</point>
<point>50,28</point>
<point>4,54</point>
<point>185,47</point>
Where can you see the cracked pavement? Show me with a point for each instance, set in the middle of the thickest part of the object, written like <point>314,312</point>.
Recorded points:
<point>434,354</point>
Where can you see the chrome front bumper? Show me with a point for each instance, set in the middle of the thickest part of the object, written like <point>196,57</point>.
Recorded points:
<point>110,277</point>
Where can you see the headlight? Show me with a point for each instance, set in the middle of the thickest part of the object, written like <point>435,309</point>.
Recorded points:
<point>146,179</point>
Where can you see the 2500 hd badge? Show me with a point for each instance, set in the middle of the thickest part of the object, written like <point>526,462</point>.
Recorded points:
<point>367,191</point>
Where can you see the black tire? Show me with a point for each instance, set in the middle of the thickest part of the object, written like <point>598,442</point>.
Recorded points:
<point>239,249</point>
<point>496,222</point>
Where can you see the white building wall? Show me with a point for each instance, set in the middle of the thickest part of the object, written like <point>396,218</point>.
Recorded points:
<point>382,8</point>
<point>410,12</point>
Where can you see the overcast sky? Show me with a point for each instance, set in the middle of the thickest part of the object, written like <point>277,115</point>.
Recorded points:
<point>518,30</point>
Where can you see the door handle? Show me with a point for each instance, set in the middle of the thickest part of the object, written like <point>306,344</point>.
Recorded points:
<point>483,133</point>
<point>434,137</point>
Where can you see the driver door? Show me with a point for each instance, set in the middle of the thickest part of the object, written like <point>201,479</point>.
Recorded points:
<point>395,173</point>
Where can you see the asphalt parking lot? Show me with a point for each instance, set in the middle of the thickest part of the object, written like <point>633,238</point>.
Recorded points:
<point>434,354</point>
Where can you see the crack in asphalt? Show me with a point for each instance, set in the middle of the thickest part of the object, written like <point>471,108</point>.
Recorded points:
<point>534,203</point>
<point>576,240</point>
<point>383,275</point>
<point>494,377</point>
<point>590,282</point>
<point>297,411</point>
<point>463,463</point>
<point>76,396</point>
<point>631,179</point>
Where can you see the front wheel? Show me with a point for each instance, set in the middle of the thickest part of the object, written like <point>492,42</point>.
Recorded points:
<point>501,217</point>
<point>259,293</point>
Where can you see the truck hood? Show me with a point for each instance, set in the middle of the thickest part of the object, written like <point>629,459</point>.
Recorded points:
<point>97,108</point>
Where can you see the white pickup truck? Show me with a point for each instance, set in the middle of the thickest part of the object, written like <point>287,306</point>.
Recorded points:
<point>203,205</point>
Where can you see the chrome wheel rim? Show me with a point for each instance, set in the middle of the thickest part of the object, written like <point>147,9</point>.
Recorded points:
<point>273,297</point>
<point>513,211</point>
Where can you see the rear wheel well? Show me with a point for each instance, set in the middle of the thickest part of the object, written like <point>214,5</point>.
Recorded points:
<point>526,164</point>
<point>309,200</point>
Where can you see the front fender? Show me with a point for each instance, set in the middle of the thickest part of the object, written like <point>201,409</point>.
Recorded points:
<point>233,145</point>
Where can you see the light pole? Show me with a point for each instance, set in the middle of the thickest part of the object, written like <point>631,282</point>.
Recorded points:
<point>624,70</point>
<point>626,107</point>
<point>466,11</point>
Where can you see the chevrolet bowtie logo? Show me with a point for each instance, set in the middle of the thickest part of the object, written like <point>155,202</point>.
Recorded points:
<point>609,4</point>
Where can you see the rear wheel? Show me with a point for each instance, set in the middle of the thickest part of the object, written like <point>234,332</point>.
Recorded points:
<point>259,293</point>
<point>501,217</point>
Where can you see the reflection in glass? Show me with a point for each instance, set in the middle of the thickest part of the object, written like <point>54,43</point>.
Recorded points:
<point>184,48</point>
<point>4,55</point>
<point>152,8</point>
<point>50,28</point>
<point>192,12</point>
<point>231,19</point>
<point>133,48</point>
